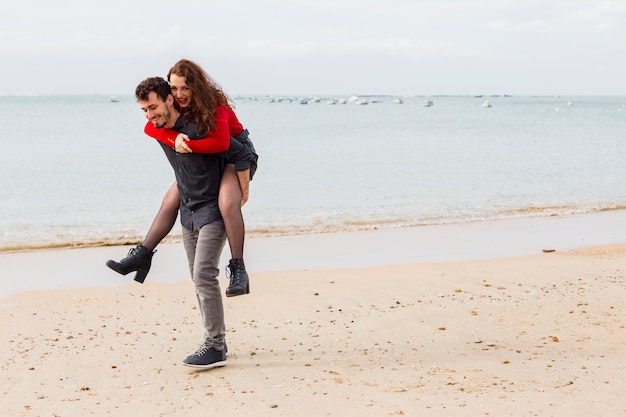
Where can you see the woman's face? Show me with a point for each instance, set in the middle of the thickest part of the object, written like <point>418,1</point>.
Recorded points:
<point>181,91</point>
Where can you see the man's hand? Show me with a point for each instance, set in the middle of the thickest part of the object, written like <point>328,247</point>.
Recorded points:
<point>180,145</point>
<point>244,184</point>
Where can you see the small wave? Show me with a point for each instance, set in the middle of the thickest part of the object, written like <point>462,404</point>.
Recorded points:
<point>333,226</point>
<point>74,244</point>
<point>559,210</point>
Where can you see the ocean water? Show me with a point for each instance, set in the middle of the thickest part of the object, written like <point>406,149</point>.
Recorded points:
<point>79,171</point>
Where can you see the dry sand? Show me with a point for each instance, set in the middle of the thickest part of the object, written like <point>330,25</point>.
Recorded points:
<point>532,335</point>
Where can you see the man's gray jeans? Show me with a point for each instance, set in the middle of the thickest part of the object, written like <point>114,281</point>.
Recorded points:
<point>204,249</point>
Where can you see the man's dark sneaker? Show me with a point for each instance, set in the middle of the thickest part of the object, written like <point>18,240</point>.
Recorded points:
<point>206,358</point>
<point>239,282</point>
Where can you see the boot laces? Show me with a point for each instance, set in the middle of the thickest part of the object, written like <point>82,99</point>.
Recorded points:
<point>232,271</point>
<point>131,252</point>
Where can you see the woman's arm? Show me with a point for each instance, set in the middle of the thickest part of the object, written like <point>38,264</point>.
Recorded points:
<point>216,141</point>
<point>223,115</point>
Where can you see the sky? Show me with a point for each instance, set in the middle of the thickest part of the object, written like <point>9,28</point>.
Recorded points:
<point>297,47</point>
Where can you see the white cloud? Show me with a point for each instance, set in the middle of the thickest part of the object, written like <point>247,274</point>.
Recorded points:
<point>391,40</point>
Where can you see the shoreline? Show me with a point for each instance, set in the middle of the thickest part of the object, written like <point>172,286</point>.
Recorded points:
<point>322,229</point>
<point>84,267</point>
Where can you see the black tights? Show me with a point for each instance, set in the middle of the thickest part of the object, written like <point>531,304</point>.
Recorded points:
<point>230,208</point>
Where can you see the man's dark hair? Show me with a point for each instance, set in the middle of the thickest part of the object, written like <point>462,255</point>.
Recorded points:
<point>157,84</point>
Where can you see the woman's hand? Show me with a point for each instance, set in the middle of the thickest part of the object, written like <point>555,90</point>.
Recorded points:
<point>180,146</point>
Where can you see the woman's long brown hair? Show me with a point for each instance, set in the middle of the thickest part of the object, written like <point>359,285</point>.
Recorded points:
<point>207,94</point>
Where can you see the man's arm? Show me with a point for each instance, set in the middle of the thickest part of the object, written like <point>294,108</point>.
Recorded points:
<point>244,184</point>
<point>243,158</point>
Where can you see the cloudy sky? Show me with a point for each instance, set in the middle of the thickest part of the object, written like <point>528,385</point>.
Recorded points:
<point>406,47</point>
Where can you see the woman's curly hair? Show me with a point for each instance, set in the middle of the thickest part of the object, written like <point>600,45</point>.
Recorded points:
<point>207,94</point>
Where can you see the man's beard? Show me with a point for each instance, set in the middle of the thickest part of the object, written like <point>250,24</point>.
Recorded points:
<point>162,121</point>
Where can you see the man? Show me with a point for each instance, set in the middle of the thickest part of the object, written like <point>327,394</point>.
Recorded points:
<point>198,180</point>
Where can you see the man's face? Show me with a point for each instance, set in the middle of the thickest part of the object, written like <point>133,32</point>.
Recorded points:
<point>181,91</point>
<point>159,112</point>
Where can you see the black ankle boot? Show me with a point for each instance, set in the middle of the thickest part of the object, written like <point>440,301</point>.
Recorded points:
<point>139,259</point>
<point>239,283</point>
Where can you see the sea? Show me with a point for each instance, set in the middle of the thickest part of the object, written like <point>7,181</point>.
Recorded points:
<point>77,170</point>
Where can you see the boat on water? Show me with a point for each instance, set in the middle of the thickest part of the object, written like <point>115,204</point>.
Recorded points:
<point>427,103</point>
<point>113,99</point>
<point>486,104</point>
<point>398,100</point>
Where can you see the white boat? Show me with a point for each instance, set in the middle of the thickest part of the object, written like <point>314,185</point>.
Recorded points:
<point>361,101</point>
<point>398,100</point>
<point>427,103</point>
<point>342,101</point>
<point>113,99</point>
<point>486,104</point>
<point>331,101</point>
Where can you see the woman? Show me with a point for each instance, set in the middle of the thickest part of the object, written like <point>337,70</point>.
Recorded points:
<point>197,96</point>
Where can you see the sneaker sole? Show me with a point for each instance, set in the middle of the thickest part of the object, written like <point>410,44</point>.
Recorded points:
<point>209,366</point>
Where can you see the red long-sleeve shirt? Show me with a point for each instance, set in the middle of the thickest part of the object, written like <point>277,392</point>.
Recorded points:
<point>216,141</point>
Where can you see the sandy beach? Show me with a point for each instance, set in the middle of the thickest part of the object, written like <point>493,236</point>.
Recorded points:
<point>522,317</point>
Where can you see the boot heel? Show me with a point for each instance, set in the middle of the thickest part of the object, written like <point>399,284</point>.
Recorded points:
<point>140,276</point>
<point>139,259</point>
